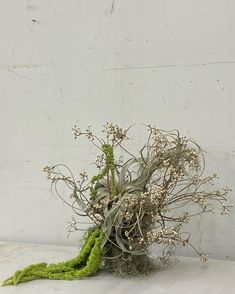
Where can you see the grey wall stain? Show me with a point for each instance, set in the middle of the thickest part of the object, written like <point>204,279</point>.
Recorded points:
<point>112,7</point>
<point>31,7</point>
<point>47,115</point>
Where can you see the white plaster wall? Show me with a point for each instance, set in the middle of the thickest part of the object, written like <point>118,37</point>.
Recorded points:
<point>170,63</point>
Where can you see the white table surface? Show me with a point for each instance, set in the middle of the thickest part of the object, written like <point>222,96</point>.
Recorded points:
<point>189,275</point>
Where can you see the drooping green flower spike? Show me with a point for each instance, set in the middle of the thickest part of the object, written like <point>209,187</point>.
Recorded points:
<point>87,263</point>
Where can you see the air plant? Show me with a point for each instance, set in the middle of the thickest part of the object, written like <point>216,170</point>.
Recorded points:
<point>132,204</point>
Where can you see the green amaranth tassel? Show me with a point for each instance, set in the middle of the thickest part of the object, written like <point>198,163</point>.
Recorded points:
<point>88,262</point>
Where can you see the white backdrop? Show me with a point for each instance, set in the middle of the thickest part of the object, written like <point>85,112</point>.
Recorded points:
<point>170,63</point>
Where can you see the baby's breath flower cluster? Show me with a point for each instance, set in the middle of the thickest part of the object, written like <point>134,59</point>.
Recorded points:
<point>114,133</point>
<point>143,200</point>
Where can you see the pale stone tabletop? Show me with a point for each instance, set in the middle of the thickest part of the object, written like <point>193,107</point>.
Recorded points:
<point>188,276</point>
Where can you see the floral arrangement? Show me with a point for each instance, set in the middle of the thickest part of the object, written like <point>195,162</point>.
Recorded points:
<point>134,203</point>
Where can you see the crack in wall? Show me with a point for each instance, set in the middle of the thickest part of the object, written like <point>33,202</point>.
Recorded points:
<point>169,65</point>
